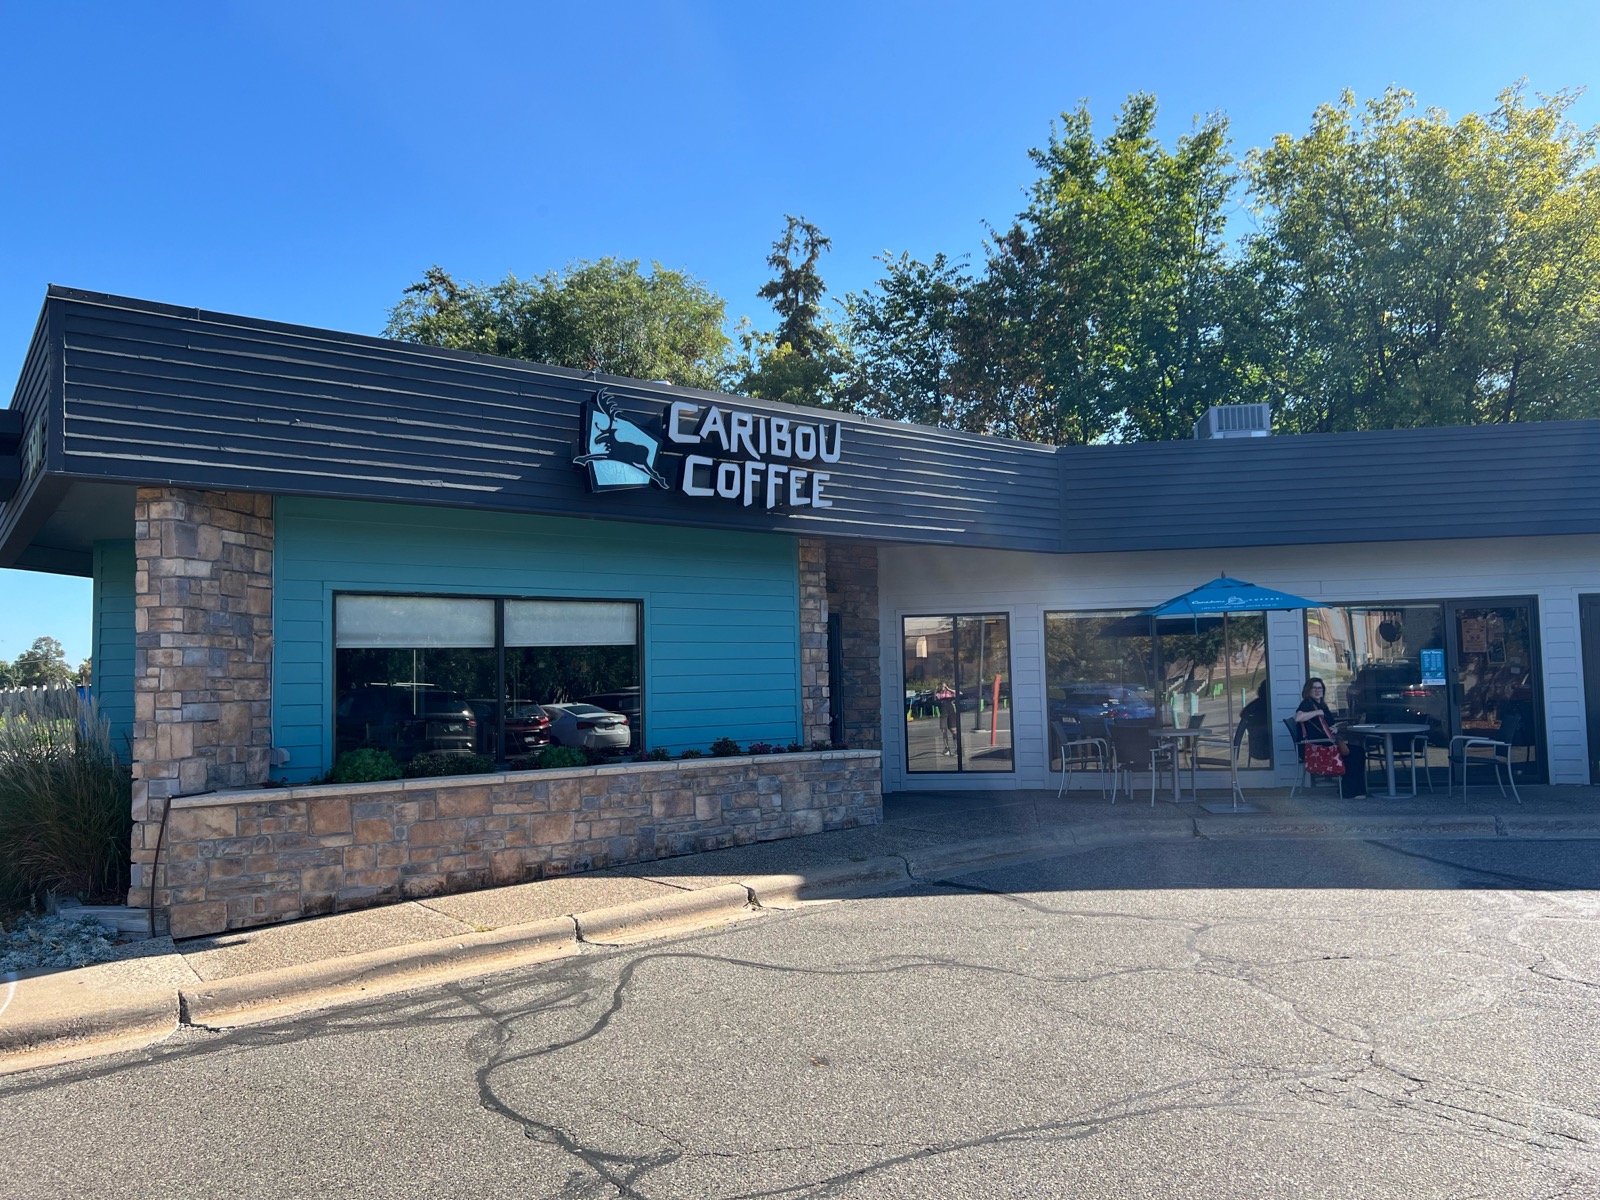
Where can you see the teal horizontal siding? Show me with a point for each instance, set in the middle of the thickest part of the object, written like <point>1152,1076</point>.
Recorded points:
<point>111,640</point>
<point>721,608</point>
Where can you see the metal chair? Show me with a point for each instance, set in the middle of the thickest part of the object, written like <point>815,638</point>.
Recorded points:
<point>1307,779</point>
<point>1136,744</point>
<point>1411,752</point>
<point>1082,752</point>
<point>1498,756</point>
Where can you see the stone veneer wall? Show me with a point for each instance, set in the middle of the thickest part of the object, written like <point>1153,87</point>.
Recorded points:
<point>202,660</point>
<point>251,858</point>
<point>816,717</point>
<point>852,570</point>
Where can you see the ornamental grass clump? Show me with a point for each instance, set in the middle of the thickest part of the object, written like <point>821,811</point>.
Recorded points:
<point>65,799</point>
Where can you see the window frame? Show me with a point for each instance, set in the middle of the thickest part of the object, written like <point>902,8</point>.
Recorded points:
<point>499,599</point>
<point>905,739</point>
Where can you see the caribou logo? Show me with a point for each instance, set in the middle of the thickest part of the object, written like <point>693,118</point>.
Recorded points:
<point>619,453</point>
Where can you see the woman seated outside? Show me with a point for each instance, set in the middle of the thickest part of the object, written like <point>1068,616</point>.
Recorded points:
<point>1315,723</point>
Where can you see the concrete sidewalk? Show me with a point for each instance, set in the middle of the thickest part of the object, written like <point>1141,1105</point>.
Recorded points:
<point>261,974</point>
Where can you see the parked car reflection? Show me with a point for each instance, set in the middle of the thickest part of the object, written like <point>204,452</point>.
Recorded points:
<point>406,720</point>
<point>588,727</point>
<point>527,726</point>
<point>1099,702</point>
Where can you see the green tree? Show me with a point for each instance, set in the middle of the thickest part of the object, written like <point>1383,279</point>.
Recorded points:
<point>1418,271</point>
<point>797,289</point>
<point>7,675</point>
<point>1099,304</point>
<point>906,337</point>
<point>804,359</point>
<point>1099,312</point>
<point>605,315</point>
<point>43,664</point>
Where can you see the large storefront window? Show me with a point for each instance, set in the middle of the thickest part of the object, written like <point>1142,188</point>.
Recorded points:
<point>958,693</point>
<point>422,674</point>
<point>1102,667</point>
<point>1395,664</point>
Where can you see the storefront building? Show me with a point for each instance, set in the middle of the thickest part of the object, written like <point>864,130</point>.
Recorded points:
<point>306,542</point>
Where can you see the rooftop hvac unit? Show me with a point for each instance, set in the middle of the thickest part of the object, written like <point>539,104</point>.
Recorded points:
<point>1235,420</point>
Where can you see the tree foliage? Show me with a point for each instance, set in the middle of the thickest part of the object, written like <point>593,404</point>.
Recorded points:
<point>1419,271</point>
<point>907,339</point>
<point>1406,270</point>
<point>44,664</point>
<point>804,359</point>
<point>605,315</point>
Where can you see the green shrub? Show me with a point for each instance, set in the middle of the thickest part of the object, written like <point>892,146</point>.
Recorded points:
<point>66,800</point>
<point>692,753</point>
<point>762,748</point>
<point>658,754</point>
<point>794,748</point>
<point>427,766</point>
<point>725,747</point>
<point>553,757</point>
<point>364,766</point>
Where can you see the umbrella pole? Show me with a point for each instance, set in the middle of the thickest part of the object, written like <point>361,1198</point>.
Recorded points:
<point>1227,676</point>
<point>1156,681</point>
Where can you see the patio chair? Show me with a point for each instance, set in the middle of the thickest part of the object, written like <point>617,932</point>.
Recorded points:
<point>1081,752</point>
<point>1411,752</point>
<point>1468,751</point>
<point>1138,750</point>
<point>1306,779</point>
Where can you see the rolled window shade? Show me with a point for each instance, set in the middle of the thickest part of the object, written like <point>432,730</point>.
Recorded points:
<point>571,623</point>
<point>404,622</point>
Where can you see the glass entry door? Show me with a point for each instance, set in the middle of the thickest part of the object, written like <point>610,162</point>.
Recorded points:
<point>958,693</point>
<point>1495,684</point>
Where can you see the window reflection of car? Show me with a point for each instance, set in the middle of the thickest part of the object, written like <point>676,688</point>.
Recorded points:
<point>973,694</point>
<point>626,702</point>
<point>527,726</point>
<point>1101,702</point>
<point>588,727</point>
<point>406,720</point>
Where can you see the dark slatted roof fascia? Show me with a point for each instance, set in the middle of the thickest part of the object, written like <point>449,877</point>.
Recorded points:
<point>1391,485</point>
<point>208,400</point>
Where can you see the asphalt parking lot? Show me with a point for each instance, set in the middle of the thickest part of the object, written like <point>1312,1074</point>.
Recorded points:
<point>1332,1018</point>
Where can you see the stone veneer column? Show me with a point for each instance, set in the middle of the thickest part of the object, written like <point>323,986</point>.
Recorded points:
<point>815,715</point>
<point>852,569</point>
<point>202,657</point>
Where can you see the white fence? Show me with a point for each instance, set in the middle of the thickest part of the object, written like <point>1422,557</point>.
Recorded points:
<point>64,698</point>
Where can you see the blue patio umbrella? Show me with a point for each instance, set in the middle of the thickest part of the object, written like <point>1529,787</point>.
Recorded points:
<point>1221,597</point>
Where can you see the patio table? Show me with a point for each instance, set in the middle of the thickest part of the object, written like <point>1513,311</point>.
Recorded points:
<point>1180,739</point>
<point>1388,731</point>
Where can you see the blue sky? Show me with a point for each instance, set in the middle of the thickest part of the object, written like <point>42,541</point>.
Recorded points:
<point>304,162</point>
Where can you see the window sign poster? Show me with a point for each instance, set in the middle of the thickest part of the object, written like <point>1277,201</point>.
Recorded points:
<point>1474,635</point>
<point>1433,668</point>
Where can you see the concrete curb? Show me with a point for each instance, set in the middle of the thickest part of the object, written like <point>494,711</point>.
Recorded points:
<point>1550,827</point>
<point>662,915</point>
<point>1256,825</point>
<point>268,995</point>
<point>868,875</point>
<point>68,1030</point>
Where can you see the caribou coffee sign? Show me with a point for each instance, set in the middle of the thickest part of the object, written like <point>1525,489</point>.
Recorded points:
<point>709,451</point>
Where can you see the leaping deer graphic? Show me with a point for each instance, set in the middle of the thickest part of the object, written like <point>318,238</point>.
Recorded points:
<point>616,450</point>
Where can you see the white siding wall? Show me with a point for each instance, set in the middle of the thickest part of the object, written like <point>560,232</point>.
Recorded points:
<point>925,580</point>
